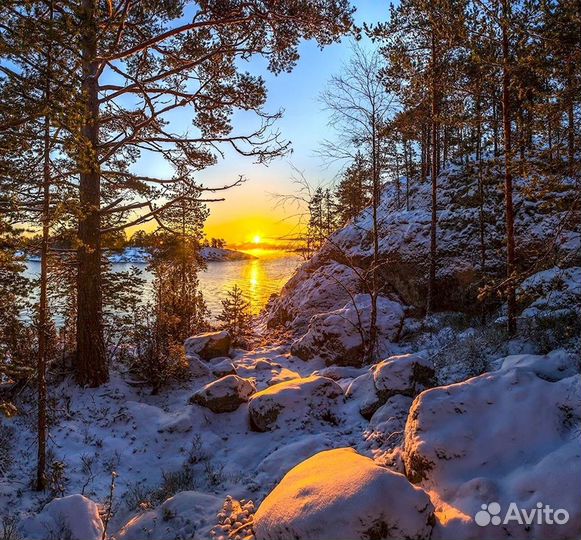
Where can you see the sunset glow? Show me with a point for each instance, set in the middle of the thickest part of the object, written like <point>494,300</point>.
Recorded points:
<point>256,239</point>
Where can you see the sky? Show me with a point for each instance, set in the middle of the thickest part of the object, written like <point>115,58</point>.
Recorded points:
<point>250,211</point>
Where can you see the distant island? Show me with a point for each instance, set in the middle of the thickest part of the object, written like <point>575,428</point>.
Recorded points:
<point>139,255</point>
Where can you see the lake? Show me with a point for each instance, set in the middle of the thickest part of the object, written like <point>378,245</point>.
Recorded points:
<point>258,278</point>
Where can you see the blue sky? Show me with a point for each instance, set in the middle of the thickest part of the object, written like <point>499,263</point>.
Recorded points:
<point>249,210</point>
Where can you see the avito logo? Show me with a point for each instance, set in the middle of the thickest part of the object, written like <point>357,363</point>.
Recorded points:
<point>541,514</point>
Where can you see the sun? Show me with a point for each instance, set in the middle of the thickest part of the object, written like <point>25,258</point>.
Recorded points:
<point>257,239</point>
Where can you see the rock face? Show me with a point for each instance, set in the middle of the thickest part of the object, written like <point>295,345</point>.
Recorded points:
<point>509,436</point>
<point>225,394</point>
<point>74,517</point>
<point>209,345</point>
<point>338,336</point>
<point>541,221</point>
<point>342,495</point>
<point>317,286</point>
<point>294,403</point>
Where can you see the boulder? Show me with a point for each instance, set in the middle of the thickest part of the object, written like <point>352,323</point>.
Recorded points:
<point>386,426</point>
<point>294,403</point>
<point>223,368</point>
<point>75,517</point>
<point>509,436</point>
<point>406,374</point>
<point>209,345</point>
<point>225,394</point>
<point>337,336</point>
<point>342,495</point>
<point>362,390</point>
<point>197,367</point>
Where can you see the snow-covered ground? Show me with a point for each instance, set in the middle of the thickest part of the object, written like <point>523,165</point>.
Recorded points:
<point>453,431</point>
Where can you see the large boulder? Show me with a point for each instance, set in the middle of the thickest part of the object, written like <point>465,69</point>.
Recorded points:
<point>295,402</point>
<point>209,345</point>
<point>509,436</point>
<point>338,336</point>
<point>74,517</point>
<point>341,495</point>
<point>225,394</point>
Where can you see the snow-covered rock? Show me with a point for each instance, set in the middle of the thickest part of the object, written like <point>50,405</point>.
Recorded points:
<point>209,345</point>
<point>342,495</point>
<point>551,292</point>
<point>317,286</point>
<point>295,402</point>
<point>406,374</point>
<point>386,426</point>
<point>133,255</point>
<point>189,514</point>
<point>223,368</point>
<point>362,391</point>
<point>338,336</point>
<point>74,517</point>
<point>197,367</point>
<point>544,229</point>
<point>510,436</point>
<point>225,394</point>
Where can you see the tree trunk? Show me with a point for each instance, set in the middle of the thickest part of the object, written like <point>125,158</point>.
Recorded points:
<point>406,159</point>
<point>570,117</point>
<point>43,300</point>
<point>375,269</point>
<point>91,362</point>
<point>509,208</point>
<point>434,177</point>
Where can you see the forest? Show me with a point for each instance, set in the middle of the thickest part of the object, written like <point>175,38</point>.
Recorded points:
<point>431,316</point>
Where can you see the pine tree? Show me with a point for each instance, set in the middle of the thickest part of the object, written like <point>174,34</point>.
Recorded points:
<point>236,316</point>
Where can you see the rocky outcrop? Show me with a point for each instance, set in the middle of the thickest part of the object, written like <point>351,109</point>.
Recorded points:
<point>294,403</point>
<point>209,345</point>
<point>545,229</point>
<point>339,336</point>
<point>342,495</point>
<point>225,394</point>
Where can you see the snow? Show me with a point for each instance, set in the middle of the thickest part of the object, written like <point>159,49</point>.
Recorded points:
<point>332,436</point>
<point>74,517</point>
<point>552,291</point>
<point>342,495</point>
